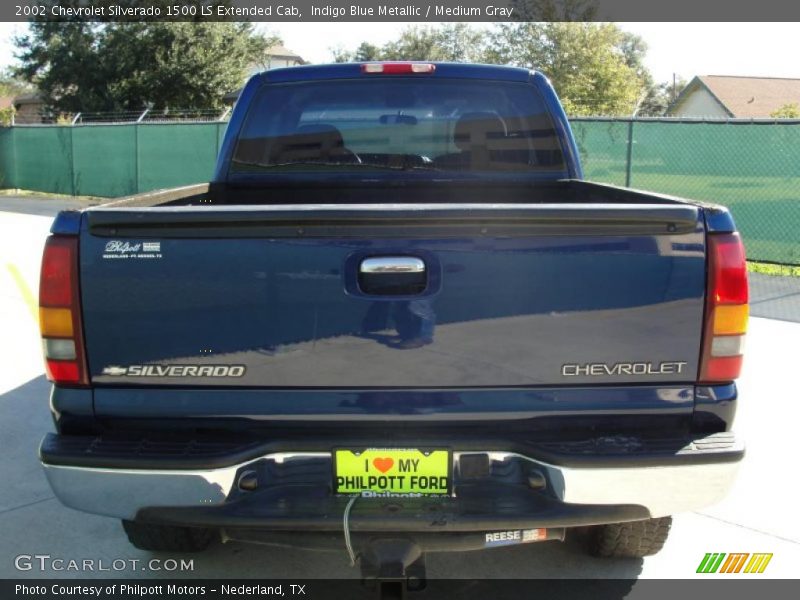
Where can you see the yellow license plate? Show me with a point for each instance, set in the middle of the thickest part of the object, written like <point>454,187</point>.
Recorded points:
<point>394,471</point>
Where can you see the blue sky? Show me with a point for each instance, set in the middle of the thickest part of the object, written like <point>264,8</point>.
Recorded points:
<point>688,49</point>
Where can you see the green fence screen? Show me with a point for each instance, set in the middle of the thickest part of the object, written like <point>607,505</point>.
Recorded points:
<point>108,160</point>
<point>751,167</point>
<point>104,160</point>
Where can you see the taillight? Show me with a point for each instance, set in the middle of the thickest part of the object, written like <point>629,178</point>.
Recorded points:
<point>726,309</point>
<point>60,313</point>
<point>398,68</point>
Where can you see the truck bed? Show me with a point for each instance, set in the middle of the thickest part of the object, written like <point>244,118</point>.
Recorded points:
<point>444,191</point>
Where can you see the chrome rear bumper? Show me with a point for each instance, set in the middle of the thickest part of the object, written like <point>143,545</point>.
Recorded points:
<point>659,490</point>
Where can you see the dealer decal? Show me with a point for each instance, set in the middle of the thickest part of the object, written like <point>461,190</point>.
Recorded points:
<point>117,249</point>
<point>175,371</point>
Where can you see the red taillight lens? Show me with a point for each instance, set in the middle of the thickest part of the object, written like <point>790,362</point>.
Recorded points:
<point>398,68</point>
<point>54,286</point>
<point>726,309</point>
<point>60,313</point>
<point>722,369</point>
<point>63,371</point>
<point>729,269</point>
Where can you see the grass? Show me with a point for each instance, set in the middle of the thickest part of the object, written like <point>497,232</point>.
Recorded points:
<point>773,269</point>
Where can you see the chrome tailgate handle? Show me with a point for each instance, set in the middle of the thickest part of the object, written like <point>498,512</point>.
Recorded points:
<point>392,276</point>
<point>377,265</point>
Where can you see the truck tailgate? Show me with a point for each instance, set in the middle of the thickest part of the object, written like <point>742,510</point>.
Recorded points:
<point>275,297</point>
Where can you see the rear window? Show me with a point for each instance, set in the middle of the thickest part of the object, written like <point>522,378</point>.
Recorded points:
<point>398,123</point>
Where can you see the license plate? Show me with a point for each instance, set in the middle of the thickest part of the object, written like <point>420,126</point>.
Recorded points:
<point>390,470</point>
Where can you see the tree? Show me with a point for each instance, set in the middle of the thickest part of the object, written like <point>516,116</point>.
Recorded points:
<point>654,98</point>
<point>364,53</point>
<point>414,43</point>
<point>634,51</point>
<point>449,42</point>
<point>787,111</point>
<point>417,43</point>
<point>588,63</point>
<point>88,67</point>
<point>659,97</point>
<point>11,85</point>
<point>459,42</point>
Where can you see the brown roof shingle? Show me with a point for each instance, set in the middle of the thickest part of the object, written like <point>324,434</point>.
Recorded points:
<point>281,51</point>
<point>752,97</point>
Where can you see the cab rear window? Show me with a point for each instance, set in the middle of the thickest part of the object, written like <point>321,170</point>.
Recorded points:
<point>398,123</point>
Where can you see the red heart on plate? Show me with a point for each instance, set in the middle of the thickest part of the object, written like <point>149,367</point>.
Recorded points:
<point>383,464</point>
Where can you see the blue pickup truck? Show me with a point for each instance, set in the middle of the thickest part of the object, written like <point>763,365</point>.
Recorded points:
<point>397,321</point>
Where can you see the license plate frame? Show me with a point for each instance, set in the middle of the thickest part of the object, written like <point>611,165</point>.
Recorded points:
<point>362,462</point>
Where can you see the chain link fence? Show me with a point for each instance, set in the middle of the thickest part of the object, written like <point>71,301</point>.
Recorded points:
<point>173,115</point>
<point>750,166</point>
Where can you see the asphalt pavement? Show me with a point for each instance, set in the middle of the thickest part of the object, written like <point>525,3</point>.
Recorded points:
<point>758,516</point>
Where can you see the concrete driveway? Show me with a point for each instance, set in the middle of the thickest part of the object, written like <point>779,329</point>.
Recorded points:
<point>759,515</point>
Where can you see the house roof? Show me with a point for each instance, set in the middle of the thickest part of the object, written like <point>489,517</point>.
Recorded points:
<point>29,98</point>
<point>744,97</point>
<point>280,51</point>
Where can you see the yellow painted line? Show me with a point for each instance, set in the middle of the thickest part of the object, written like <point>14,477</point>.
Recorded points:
<point>27,295</point>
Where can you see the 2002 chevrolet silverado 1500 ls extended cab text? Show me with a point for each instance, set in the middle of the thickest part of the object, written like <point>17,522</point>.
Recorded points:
<point>396,321</point>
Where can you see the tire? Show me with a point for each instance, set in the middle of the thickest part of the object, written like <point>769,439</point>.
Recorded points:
<point>168,538</point>
<point>636,539</point>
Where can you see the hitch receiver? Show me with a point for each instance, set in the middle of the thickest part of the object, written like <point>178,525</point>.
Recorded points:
<point>395,565</point>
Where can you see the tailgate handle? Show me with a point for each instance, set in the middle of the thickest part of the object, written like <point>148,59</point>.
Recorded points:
<point>392,275</point>
<point>392,264</point>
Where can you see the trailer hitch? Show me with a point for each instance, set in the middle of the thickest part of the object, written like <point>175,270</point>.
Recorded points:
<point>394,566</point>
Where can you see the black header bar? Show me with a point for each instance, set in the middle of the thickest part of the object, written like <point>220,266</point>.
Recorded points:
<point>419,11</point>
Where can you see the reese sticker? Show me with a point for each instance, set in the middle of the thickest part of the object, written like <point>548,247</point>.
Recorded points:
<point>515,536</point>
